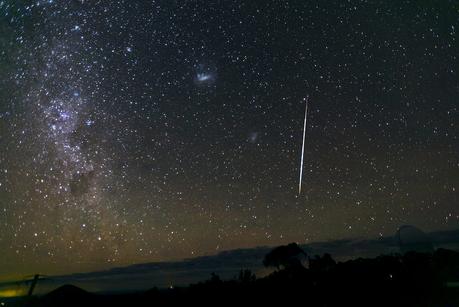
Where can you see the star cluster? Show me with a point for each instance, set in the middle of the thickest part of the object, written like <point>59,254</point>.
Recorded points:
<point>135,131</point>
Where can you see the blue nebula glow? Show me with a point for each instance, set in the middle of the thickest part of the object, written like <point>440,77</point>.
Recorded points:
<point>205,75</point>
<point>202,77</point>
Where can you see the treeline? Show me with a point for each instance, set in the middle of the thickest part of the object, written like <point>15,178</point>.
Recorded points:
<point>412,279</point>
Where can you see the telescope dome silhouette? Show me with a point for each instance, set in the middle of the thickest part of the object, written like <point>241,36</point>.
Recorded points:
<point>410,238</point>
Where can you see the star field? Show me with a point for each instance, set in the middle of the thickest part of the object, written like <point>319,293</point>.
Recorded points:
<point>135,131</point>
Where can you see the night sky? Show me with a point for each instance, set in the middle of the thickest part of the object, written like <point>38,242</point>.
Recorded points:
<point>138,131</point>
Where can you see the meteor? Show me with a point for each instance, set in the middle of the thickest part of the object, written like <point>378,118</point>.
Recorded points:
<point>302,148</point>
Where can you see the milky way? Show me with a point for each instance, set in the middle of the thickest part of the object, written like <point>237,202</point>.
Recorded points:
<point>135,131</point>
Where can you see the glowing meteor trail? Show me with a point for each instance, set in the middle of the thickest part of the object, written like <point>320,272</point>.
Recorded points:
<point>302,148</point>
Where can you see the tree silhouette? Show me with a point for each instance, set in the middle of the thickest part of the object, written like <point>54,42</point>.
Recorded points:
<point>246,276</point>
<point>412,279</point>
<point>324,263</point>
<point>285,256</point>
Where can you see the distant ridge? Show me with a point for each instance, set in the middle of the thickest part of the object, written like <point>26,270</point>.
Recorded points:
<point>61,295</point>
<point>227,264</point>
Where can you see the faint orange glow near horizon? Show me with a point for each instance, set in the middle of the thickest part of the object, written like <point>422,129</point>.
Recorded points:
<point>12,292</point>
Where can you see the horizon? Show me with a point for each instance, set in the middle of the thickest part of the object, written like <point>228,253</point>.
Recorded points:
<point>154,273</point>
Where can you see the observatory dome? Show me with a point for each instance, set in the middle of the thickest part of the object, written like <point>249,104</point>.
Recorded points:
<point>410,238</point>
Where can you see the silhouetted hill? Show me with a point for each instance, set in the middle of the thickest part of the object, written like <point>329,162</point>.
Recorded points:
<point>66,291</point>
<point>412,279</point>
<point>227,264</point>
<point>67,295</point>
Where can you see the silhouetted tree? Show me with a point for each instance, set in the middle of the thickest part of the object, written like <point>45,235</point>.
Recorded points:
<point>246,276</point>
<point>284,256</point>
<point>324,263</point>
<point>412,279</point>
<point>214,278</point>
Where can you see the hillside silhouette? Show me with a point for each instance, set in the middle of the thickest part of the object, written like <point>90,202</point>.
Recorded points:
<point>411,279</point>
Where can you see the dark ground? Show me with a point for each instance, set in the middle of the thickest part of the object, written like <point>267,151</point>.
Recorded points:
<point>414,279</point>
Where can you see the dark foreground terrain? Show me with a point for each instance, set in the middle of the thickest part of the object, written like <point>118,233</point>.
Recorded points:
<point>413,279</point>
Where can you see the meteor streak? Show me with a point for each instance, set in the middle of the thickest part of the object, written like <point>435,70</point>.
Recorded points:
<point>302,148</point>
